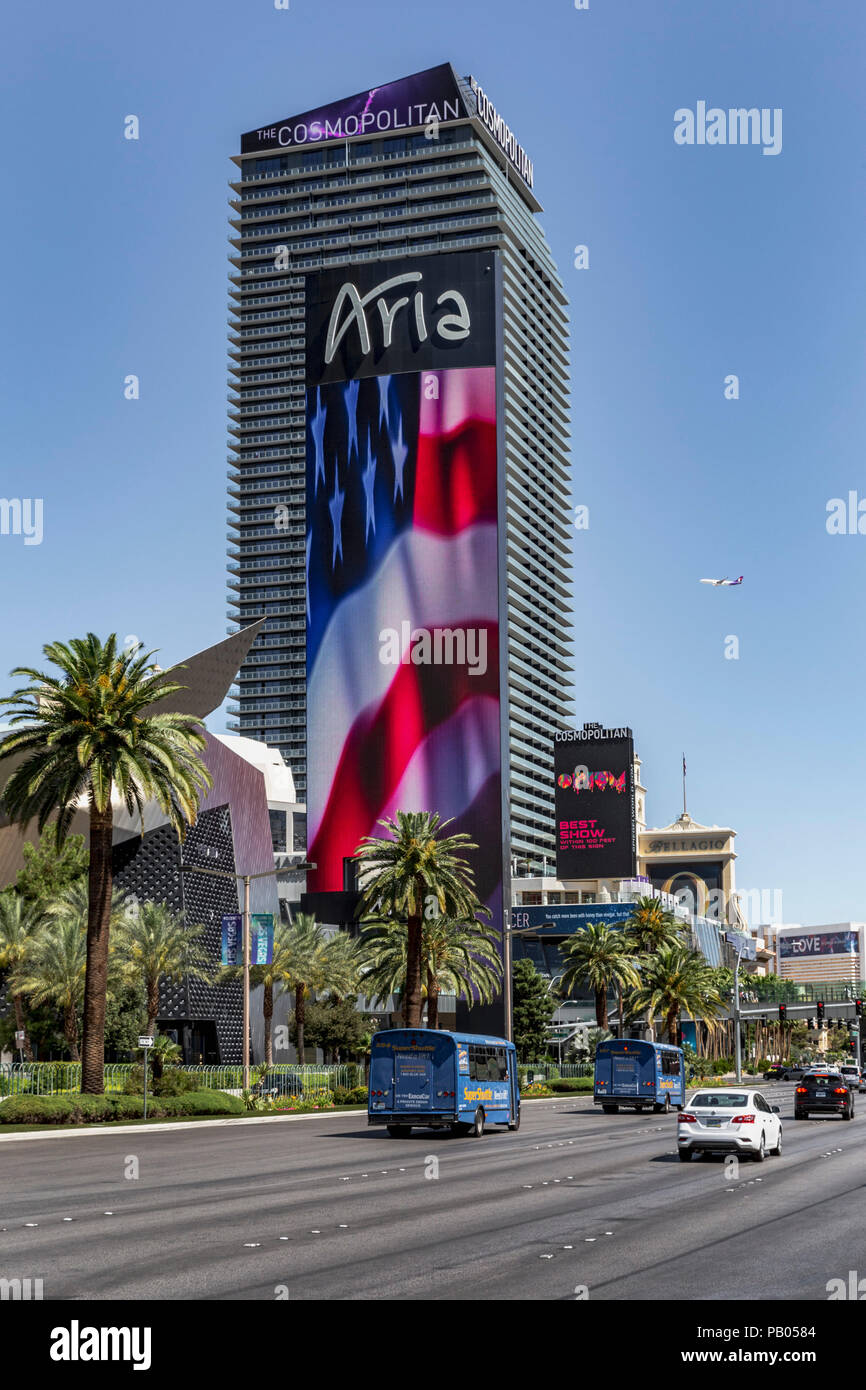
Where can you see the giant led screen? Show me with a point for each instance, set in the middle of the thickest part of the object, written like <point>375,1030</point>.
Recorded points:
<point>594,803</point>
<point>403,557</point>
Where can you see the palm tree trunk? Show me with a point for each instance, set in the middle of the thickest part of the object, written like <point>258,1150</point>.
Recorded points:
<point>18,1004</point>
<point>432,1001</point>
<point>152,1005</point>
<point>300,1016</point>
<point>70,1032</point>
<point>601,1008</point>
<point>621,1029</point>
<point>268,1011</point>
<point>672,1027</point>
<point>96,977</point>
<point>412,1002</point>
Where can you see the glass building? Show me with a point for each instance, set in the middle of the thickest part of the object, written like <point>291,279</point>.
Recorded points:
<point>434,187</point>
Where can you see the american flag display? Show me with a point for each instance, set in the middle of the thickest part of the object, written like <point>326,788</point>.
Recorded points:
<point>403,689</point>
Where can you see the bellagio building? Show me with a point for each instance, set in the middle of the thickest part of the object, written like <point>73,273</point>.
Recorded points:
<point>423,166</point>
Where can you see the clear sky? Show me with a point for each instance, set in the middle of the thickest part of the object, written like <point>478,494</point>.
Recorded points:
<point>704,260</point>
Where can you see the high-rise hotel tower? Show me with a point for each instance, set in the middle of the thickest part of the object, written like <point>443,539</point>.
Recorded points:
<point>422,166</point>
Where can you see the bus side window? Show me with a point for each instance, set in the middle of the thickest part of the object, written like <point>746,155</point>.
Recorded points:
<point>473,1063</point>
<point>501,1064</point>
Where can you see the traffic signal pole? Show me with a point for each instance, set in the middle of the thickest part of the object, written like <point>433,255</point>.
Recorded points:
<point>738,1048</point>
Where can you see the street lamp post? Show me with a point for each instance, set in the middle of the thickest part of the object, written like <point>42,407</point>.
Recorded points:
<point>246,879</point>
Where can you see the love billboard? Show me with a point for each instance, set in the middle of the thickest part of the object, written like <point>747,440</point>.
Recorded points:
<point>594,804</point>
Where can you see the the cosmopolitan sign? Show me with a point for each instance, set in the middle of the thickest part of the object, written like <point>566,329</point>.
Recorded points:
<point>424,99</point>
<point>501,132</point>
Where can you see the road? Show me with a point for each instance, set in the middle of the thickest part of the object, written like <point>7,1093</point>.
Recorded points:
<point>329,1209</point>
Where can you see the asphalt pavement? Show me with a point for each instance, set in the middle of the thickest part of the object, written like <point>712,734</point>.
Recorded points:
<point>575,1204</point>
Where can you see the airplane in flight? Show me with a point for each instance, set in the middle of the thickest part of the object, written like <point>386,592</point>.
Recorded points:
<point>731,583</point>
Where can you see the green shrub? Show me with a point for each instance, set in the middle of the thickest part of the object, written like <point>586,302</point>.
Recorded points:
<point>176,1083</point>
<point>534,1091</point>
<point>571,1084</point>
<point>36,1110</point>
<point>134,1083</point>
<point>350,1095</point>
<point>43,1110</point>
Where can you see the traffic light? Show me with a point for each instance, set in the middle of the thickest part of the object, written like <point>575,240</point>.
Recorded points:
<point>783,1012</point>
<point>858,1007</point>
<point>820,1008</point>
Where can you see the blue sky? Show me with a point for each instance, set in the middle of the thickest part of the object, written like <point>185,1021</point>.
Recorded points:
<point>704,261</point>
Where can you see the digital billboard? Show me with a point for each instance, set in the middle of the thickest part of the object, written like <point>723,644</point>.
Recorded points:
<point>404,582</point>
<point>702,880</point>
<point>424,98</point>
<point>837,943</point>
<point>594,803</point>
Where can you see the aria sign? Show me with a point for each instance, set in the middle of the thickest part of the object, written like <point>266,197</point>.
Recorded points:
<point>428,312</point>
<point>451,326</point>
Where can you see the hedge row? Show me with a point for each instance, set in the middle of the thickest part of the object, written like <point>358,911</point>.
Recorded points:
<point>78,1109</point>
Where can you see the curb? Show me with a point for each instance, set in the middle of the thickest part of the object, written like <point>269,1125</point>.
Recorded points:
<point>79,1130</point>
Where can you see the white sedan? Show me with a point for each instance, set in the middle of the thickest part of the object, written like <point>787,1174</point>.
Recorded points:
<point>729,1121</point>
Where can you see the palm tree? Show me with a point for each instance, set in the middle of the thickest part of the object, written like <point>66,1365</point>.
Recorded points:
<point>650,928</point>
<point>678,980</point>
<point>401,871</point>
<point>20,922</point>
<point>598,956</point>
<point>268,976</point>
<point>154,942</point>
<point>457,957</point>
<point>88,735</point>
<point>316,963</point>
<point>52,972</point>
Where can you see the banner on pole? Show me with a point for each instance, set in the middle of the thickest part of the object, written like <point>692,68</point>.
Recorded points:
<point>232,938</point>
<point>261,938</point>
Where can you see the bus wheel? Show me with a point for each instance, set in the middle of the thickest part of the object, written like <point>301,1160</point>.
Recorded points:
<point>610,1109</point>
<point>478,1124</point>
<point>516,1124</point>
<point>399,1131</point>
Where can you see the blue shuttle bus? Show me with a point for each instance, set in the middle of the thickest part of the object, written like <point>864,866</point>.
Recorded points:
<point>429,1078</point>
<point>639,1075</point>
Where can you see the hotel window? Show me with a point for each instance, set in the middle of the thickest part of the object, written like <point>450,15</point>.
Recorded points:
<point>531,899</point>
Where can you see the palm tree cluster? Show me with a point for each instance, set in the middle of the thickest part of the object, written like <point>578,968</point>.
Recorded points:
<point>650,965</point>
<point>44,949</point>
<point>423,936</point>
<point>306,962</point>
<point>94,736</point>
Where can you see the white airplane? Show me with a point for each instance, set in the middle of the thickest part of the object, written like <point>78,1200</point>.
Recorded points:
<point>729,582</point>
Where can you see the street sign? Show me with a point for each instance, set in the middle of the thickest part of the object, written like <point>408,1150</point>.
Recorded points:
<point>19,1037</point>
<point>145,1041</point>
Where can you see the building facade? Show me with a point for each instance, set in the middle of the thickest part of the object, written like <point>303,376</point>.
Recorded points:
<point>380,176</point>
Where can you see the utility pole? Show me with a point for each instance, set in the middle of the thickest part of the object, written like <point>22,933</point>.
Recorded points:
<point>246,879</point>
<point>738,1050</point>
